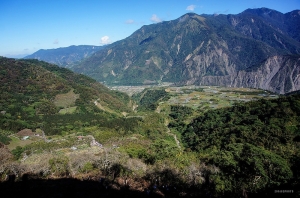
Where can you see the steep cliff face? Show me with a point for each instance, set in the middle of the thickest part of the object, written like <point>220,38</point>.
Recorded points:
<point>279,74</point>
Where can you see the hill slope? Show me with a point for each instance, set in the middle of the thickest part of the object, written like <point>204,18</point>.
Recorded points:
<point>237,151</point>
<point>255,144</point>
<point>31,90</point>
<point>65,56</point>
<point>188,49</point>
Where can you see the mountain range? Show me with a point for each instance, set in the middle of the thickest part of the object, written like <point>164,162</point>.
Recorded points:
<point>258,48</point>
<point>158,143</point>
<point>65,56</point>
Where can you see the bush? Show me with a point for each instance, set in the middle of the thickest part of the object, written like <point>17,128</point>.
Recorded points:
<point>59,166</point>
<point>17,152</point>
<point>4,139</point>
<point>88,167</point>
<point>104,134</point>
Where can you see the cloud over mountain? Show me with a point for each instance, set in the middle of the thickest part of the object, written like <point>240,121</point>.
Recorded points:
<point>105,40</point>
<point>191,8</point>
<point>155,19</point>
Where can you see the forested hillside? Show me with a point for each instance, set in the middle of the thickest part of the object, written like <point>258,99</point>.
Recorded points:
<point>149,98</point>
<point>256,144</point>
<point>58,124</point>
<point>31,90</point>
<point>212,50</point>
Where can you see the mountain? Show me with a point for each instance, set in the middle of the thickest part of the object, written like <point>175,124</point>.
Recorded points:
<point>35,92</point>
<point>65,56</point>
<point>279,74</point>
<point>201,49</point>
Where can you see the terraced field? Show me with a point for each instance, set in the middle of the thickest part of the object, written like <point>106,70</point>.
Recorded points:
<point>203,97</point>
<point>213,97</point>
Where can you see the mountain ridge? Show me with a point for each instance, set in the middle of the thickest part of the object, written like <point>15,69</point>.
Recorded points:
<point>188,49</point>
<point>65,56</point>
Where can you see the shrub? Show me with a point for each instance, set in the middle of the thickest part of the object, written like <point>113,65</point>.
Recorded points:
<point>59,166</point>
<point>17,152</point>
<point>88,167</point>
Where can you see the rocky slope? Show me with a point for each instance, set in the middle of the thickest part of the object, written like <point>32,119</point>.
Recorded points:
<point>204,49</point>
<point>279,74</point>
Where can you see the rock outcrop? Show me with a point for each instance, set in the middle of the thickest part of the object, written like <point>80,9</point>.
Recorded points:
<point>279,74</point>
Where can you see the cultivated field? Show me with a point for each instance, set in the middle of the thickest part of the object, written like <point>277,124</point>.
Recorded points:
<point>203,97</point>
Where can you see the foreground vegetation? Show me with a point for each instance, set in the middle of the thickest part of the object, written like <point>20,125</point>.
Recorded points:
<point>255,144</point>
<point>179,142</point>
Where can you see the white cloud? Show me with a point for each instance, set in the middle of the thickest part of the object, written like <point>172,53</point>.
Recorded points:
<point>129,21</point>
<point>55,41</point>
<point>155,19</point>
<point>105,40</point>
<point>191,8</point>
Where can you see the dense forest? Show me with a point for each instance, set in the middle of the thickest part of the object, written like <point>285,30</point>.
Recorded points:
<point>255,144</point>
<point>150,98</point>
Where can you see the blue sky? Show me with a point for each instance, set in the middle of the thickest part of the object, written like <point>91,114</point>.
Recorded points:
<point>29,25</point>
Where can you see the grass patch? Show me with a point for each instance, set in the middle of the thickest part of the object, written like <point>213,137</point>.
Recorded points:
<point>17,142</point>
<point>66,100</point>
<point>104,135</point>
<point>67,110</point>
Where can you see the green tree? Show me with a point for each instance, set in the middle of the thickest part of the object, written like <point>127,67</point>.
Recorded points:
<point>17,152</point>
<point>59,165</point>
<point>247,168</point>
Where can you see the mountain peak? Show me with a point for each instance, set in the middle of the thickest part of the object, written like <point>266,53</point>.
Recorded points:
<point>261,11</point>
<point>191,16</point>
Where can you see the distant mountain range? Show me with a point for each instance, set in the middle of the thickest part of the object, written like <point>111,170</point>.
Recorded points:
<point>257,48</point>
<point>65,56</point>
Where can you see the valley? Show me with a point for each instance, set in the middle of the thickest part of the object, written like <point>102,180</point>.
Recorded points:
<point>201,97</point>
<point>199,106</point>
<point>241,50</point>
<point>70,126</point>
<point>140,146</point>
